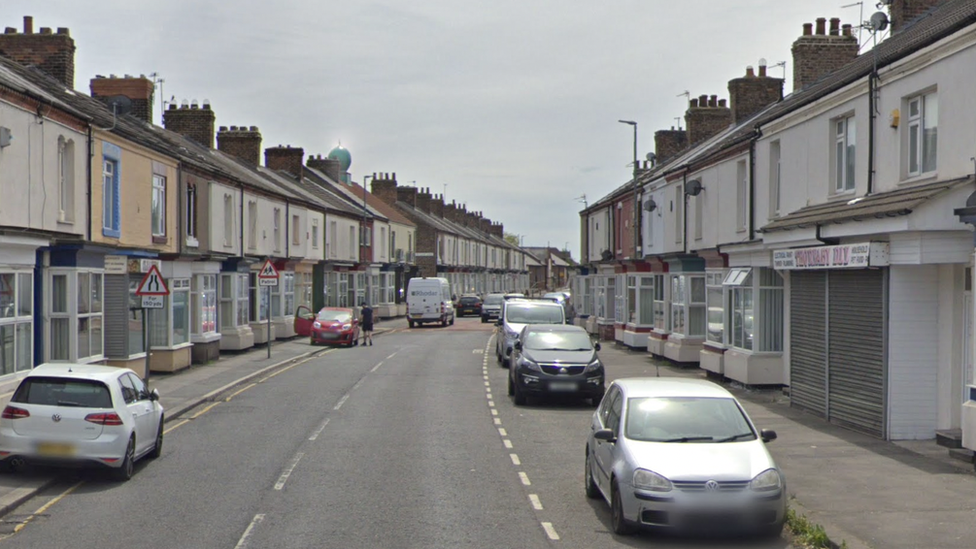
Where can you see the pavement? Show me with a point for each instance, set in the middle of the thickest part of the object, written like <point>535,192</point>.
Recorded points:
<point>865,492</point>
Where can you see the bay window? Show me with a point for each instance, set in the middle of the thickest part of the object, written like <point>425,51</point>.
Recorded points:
<point>715,303</point>
<point>358,293</point>
<point>610,295</point>
<point>287,285</point>
<point>642,291</point>
<point>620,299</point>
<point>76,315</point>
<point>755,326</point>
<point>276,297</point>
<point>16,321</point>
<point>632,299</point>
<point>234,300</point>
<point>660,304</point>
<point>170,326</point>
<point>303,289</point>
<point>204,301</point>
<point>688,305</point>
<point>258,302</point>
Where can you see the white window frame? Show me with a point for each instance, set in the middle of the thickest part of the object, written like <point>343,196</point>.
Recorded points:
<point>252,224</point>
<point>679,214</point>
<point>276,233</point>
<point>66,180</point>
<point>158,205</point>
<point>844,153</point>
<point>162,322</point>
<point>296,237</point>
<point>236,298</point>
<point>749,297</point>
<point>203,299</point>
<point>228,220</point>
<point>699,216</point>
<point>315,234</point>
<point>775,177</point>
<point>191,215</point>
<point>17,314</point>
<point>258,303</point>
<point>110,174</point>
<point>922,120</point>
<point>741,196</point>
<point>685,306</point>
<point>715,307</point>
<point>72,317</point>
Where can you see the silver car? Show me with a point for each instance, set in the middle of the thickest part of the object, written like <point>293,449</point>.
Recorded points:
<point>682,454</point>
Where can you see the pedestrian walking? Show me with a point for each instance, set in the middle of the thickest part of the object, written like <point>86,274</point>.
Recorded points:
<point>366,323</point>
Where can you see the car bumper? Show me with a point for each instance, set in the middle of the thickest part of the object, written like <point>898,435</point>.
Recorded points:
<point>106,450</point>
<point>704,512</point>
<point>490,313</point>
<point>333,338</point>
<point>468,311</point>
<point>587,385</point>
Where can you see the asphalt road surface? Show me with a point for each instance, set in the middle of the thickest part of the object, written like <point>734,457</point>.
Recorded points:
<point>410,443</point>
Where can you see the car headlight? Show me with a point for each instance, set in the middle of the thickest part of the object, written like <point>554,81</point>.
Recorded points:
<point>649,480</point>
<point>529,364</point>
<point>511,335</point>
<point>767,481</point>
<point>347,326</point>
<point>316,324</point>
<point>593,366</point>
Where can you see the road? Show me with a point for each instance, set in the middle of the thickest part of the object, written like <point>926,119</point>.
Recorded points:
<point>412,442</point>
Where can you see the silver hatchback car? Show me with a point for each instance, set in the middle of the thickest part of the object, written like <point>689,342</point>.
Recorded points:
<point>682,454</point>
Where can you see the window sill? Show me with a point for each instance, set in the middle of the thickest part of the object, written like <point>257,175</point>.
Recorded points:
<point>921,178</point>
<point>176,347</point>
<point>837,196</point>
<point>159,239</point>
<point>205,338</point>
<point>111,233</point>
<point>192,242</point>
<point>737,350</point>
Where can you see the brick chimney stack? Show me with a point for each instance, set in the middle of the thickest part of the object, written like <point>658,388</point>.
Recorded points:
<point>407,195</point>
<point>423,200</point>
<point>138,89</point>
<point>285,158</point>
<point>485,225</point>
<point>668,143</point>
<point>498,230</point>
<point>816,55</point>
<point>192,120</point>
<point>384,187</point>
<point>242,142</point>
<point>750,94</point>
<point>450,212</point>
<point>705,117</point>
<point>437,205</point>
<point>904,12</point>
<point>52,53</point>
<point>331,167</point>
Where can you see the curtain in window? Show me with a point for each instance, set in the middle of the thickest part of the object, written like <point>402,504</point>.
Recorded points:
<point>181,317</point>
<point>7,346</point>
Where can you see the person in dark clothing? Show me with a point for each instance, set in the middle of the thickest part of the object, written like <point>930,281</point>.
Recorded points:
<point>366,323</point>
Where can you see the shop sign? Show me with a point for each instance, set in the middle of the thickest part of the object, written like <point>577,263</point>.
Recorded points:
<point>116,264</point>
<point>846,256</point>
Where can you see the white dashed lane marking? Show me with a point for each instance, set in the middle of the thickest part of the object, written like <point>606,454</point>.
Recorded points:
<point>536,503</point>
<point>502,432</point>
<point>515,459</point>
<point>550,531</point>
<point>507,443</point>
<point>525,479</point>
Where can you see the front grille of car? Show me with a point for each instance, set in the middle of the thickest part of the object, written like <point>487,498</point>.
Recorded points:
<point>650,516</point>
<point>699,486</point>
<point>555,369</point>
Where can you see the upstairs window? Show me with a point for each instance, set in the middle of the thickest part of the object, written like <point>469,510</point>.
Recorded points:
<point>66,180</point>
<point>252,225</point>
<point>111,199</point>
<point>775,185</point>
<point>923,133</point>
<point>158,205</point>
<point>277,229</point>
<point>315,234</point>
<point>191,213</point>
<point>296,237</point>
<point>845,132</point>
<point>741,196</point>
<point>228,219</point>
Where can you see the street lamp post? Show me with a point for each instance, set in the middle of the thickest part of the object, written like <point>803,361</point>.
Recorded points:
<point>636,221</point>
<point>363,248</point>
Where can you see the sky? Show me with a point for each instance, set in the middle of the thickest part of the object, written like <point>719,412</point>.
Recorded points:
<point>509,107</point>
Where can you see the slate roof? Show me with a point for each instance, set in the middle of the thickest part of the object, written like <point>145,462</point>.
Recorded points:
<point>16,77</point>
<point>383,208</point>
<point>886,204</point>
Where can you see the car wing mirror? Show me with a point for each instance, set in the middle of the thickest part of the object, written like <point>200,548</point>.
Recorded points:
<point>596,346</point>
<point>518,345</point>
<point>154,395</point>
<point>605,435</point>
<point>498,322</point>
<point>767,435</point>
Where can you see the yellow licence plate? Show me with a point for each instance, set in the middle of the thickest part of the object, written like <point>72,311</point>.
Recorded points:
<point>55,449</point>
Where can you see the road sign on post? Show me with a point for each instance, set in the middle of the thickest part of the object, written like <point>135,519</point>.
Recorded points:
<point>152,289</point>
<point>268,276</point>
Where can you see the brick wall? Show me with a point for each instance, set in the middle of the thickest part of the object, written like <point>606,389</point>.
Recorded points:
<point>193,121</point>
<point>285,158</point>
<point>904,12</point>
<point>818,54</point>
<point>668,143</point>
<point>242,142</point>
<point>331,167</point>
<point>52,53</point>
<point>383,187</point>
<point>437,205</point>
<point>407,195</point>
<point>705,117</point>
<point>750,94</point>
<point>138,89</point>
<point>423,200</point>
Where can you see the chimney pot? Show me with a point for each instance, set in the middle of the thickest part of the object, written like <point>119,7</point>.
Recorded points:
<point>846,30</point>
<point>254,128</point>
<point>721,103</point>
<point>693,104</point>
<point>807,29</point>
<point>703,101</point>
<point>712,101</point>
<point>762,71</point>
<point>28,24</point>
<point>821,26</point>
<point>749,73</point>
<point>834,26</point>
<point>63,30</point>
<point>46,30</point>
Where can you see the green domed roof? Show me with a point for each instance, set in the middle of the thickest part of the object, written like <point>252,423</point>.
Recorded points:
<point>343,156</point>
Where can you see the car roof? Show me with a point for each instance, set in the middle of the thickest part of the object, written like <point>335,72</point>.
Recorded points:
<point>343,309</point>
<point>638,387</point>
<point>532,303</point>
<point>553,328</point>
<point>78,371</point>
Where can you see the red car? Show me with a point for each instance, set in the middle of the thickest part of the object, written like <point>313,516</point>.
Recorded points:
<point>332,326</point>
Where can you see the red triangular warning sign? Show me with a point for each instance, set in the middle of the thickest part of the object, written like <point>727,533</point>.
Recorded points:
<point>268,270</point>
<point>153,283</point>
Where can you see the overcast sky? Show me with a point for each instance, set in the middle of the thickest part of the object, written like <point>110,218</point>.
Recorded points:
<point>513,105</point>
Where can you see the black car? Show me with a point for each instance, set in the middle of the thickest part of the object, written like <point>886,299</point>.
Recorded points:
<point>555,359</point>
<point>469,304</point>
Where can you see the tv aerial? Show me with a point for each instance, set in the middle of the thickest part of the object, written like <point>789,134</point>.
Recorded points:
<point>120,105</point>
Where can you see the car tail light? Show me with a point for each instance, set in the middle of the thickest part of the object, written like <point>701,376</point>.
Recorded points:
<point>13,412</point>
<point>109,418</point>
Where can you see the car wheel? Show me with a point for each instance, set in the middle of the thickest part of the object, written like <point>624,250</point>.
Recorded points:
<point>444,323</point>
<point>484,320</point>
<point>452,320</point>
<point>773,531</point>
<point>621,526</point>
<point>592,491</point>
<point>511,386</point>
<point>519,395</point>
<point>409,323</point>
<point>158,448</point>
<point>124,472</point>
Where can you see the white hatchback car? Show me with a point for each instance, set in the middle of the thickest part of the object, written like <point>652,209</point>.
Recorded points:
<point>81,414</point>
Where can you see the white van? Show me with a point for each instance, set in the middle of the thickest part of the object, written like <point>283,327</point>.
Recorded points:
<point>429,300</point>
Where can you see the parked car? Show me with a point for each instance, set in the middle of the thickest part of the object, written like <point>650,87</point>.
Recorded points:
<point>555,359</point>
<point>469,304</point>
<point>81,415</point>
<point>516,314</point>
<point>512,295</point>
<point>429,300</point>
<point>682,454</point>
<point>335,326</point>
<point>491,308</point>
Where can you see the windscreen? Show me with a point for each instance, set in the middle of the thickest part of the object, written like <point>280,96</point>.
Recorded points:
<point>557,341</point>
<point>533,314</point>
<point>55,391</point>
<point>494,300</point>
<point>686,419</point>
<point>335,316</point>
<point>470,301</point>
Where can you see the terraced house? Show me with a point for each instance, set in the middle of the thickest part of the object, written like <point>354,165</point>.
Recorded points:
<point>95,195</point>
<point>844,270</point>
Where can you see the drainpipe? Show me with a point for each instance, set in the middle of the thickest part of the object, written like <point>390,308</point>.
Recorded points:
<point>241,217</point>
<point>684,214</point>
<point>872,106</point>
<point>91,156</point>
<point>287,234</point>
<point>752,183</point>
<point>180,239</point>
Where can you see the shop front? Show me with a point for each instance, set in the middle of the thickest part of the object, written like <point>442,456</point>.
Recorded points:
<point>18,301</point>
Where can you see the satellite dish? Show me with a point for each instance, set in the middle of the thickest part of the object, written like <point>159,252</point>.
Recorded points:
<point>650,205</point>
<point>119,104</point>
<point>879,21</point>
<point>693,187</point>
<point>607,255</point>
<point>651,157</point>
